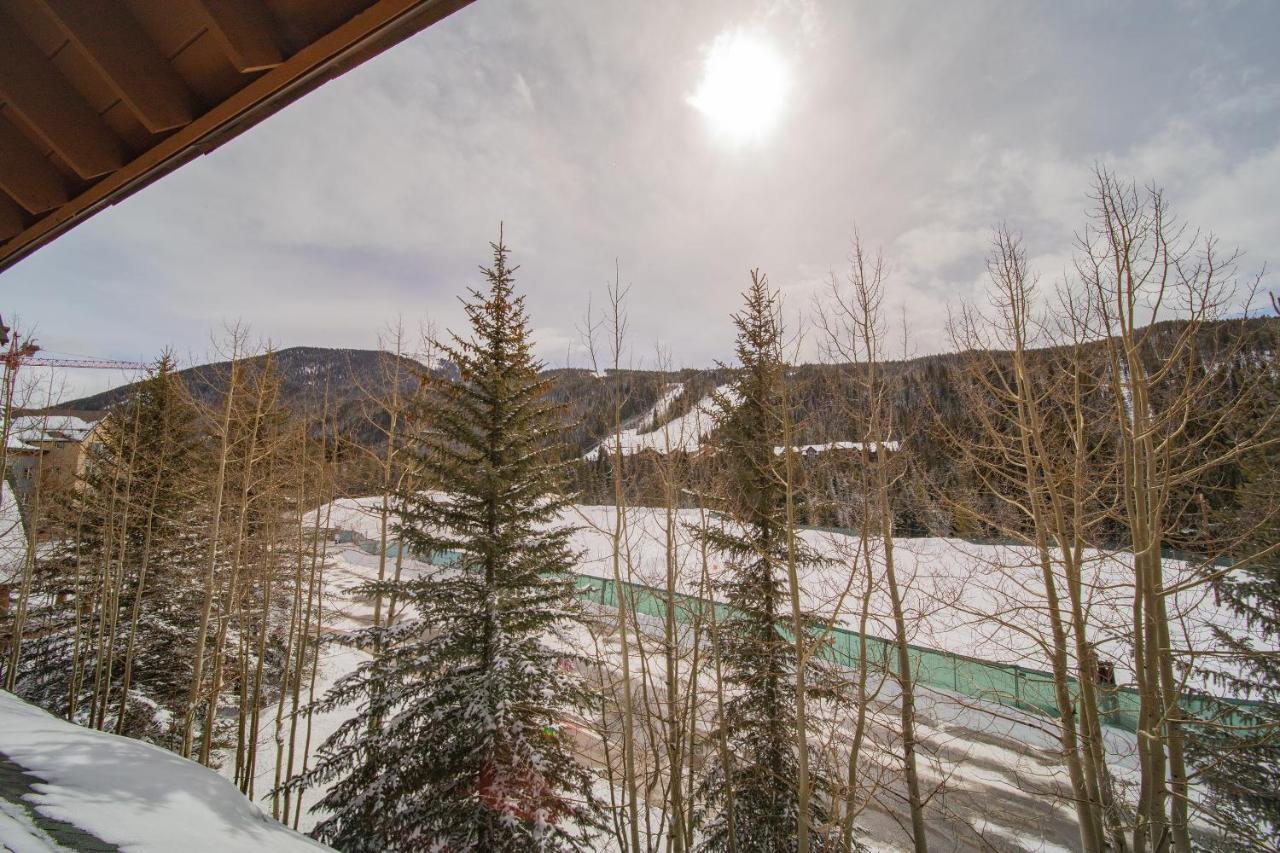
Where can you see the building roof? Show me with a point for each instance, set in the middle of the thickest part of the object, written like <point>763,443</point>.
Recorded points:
<point>873,447</point>
<point>28,432</point>
<point>99,99</point>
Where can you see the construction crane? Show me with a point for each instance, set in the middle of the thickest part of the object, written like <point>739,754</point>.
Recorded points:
<point>23,354</point>
<point>91,363</point>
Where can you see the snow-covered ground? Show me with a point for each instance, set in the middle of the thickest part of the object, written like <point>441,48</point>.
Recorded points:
<point>999,779</point>
<point>980,600</point>
<point>683,433</point>
<point>135,796</point>
<point>996,770</point>
<point>336,660</point>
<point>13,537</point>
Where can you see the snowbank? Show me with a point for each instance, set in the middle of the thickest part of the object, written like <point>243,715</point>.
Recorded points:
<point>136,796</point>
<point>13,537</point>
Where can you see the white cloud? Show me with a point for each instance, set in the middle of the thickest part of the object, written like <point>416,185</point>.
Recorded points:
<point>376,195</point>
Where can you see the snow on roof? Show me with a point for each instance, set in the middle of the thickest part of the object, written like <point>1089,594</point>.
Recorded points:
<point>134,795</point>
<point>30,429</point>
<point>15,442</point>
<point>873,446</point>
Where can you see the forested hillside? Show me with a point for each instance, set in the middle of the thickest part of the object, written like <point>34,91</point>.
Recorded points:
<point>926,403</point>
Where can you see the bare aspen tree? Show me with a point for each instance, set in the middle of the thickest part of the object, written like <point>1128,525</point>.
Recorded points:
<point>385,408</point>
<point>291,675</point>
<point>225,440</point>
<point>306,649</point>
<point>1017,451</point>
<point>248,454</point>
<point>680,814</point>
<point>280,505</point>
<point>860,566</point>
<point>251,698</point>
<point>81,602</point>
<point>856,554</point>
<point>615,321</point>
<point>17,627</point>
<point>800,620</point>
<point>318,568</point>
<point>1138,265</point>
<point>855,329</point>
<point>416,420</point>
<point>129,508</point>
<point>110,573</point>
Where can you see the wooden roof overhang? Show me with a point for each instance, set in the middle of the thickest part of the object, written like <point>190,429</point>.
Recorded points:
<point>98,98</point>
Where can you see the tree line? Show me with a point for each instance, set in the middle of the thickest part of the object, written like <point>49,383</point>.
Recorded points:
<point>176,592</point>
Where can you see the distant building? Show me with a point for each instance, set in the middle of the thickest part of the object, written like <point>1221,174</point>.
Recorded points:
<point>809,451</point>
<point>47,449</point>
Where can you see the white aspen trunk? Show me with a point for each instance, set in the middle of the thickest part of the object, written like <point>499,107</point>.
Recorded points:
<point>24,590</point>
<point>722,736</point>
<point>851,807</point>
<point>799,628</point>
<point>315,665</point>
<point>234,595</point>
<point>215,526</point>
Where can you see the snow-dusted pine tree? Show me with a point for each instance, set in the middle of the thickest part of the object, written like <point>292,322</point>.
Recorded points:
<point>753,804</point>
<point>460,743</point>
<point>1236,755</point>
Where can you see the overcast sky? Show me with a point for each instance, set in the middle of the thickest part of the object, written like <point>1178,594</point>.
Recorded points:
<point>577,123</point>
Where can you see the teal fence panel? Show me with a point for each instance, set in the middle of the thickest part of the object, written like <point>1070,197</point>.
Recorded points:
<point>1003,684</point>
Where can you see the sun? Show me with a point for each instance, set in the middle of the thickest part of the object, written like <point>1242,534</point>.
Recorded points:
<point>744,87</point>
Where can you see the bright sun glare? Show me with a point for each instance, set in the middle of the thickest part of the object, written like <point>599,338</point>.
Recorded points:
<point>744,87</point>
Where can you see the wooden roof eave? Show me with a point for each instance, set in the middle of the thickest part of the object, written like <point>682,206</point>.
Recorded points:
<point>380,26</point>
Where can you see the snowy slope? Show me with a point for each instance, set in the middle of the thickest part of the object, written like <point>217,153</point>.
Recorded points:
<point>989,756</point>
<point>682,433</point>
<point>336,660</point>
<point>130,794</point>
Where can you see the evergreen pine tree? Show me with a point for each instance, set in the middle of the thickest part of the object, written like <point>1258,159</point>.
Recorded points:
<point>131,514</point>
<point>752,805</point>
<point>162,596</point>
<point>1237,757</point>
<point>459,745</point>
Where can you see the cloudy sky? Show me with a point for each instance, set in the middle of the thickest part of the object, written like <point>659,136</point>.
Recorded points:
<point>591,129</point>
